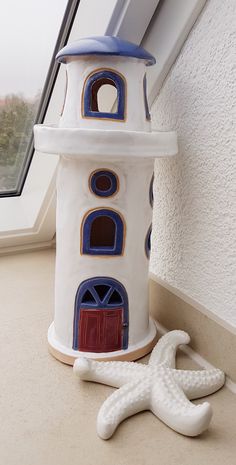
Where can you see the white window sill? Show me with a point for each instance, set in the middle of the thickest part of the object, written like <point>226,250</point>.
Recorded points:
<point>22,219</point>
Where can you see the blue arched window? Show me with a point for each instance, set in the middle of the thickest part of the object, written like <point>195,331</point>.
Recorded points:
<point>90,95</point>
<point>148,242</point>
<point>103,233</point>
<point>148,116</point>
<point>151,191</point>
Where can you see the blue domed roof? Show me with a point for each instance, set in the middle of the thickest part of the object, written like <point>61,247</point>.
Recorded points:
<point>105,45</point>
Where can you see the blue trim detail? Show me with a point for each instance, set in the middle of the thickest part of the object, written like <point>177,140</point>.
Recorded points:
<point>151,198</point>
<point>148,242</point>
<point>105,45</point>
<point>87,94</point>
<point>90,285</point>
<point>148,116</point>
<point>117,248</point>
<point>104,193</point>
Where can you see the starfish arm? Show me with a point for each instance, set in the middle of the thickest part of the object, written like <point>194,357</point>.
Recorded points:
<point>131,398</point>
<point>199,383</point>
<point>165,350</point>
<point>170,404</point>
<point>111,373</point>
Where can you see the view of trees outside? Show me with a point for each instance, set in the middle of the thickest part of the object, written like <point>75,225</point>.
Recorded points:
<point>28,34</point>
<point>17,115</point>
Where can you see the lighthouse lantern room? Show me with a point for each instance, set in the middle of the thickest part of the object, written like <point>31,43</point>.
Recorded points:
<point>104,201</point>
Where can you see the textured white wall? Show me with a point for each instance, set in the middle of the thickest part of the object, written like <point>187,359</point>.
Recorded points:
<point>194,227</point>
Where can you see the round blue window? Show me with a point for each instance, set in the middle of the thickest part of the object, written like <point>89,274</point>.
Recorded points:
<point>104,183</point>
<point>148,242</point>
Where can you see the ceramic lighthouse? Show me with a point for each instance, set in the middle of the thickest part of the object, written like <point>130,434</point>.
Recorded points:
<point>104,202</point>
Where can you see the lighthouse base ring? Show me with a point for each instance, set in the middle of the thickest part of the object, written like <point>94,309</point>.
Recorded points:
<point>134,352</point>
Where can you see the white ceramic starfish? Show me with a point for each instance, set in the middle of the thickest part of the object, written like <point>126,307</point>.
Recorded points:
<point>158,387</point>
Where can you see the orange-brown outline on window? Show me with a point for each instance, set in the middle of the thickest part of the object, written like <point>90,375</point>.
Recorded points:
<point>97,70</point>
<point>82,229</point>
<point>117,180</point>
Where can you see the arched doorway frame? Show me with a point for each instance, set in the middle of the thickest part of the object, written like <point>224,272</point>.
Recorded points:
<point>98,303</point>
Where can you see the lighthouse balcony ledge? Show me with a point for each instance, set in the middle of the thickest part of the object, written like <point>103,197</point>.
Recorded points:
<point>113,144</point>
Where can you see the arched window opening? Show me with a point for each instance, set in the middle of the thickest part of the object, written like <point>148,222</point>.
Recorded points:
<point>100,89</point>
<point>104,183</point>
<point>103,92</point>
<point>103,233</point>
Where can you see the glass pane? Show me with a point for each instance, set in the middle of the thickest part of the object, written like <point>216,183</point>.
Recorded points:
<point>28,34</point>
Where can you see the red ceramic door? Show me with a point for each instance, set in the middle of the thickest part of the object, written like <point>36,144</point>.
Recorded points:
<point>100,330</point>
<point>101,317</point>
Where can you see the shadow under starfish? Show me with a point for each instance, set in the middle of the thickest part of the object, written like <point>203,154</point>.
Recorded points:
<point>157,387</point>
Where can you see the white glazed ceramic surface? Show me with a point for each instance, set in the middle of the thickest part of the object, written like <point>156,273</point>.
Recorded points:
<point>158,387</point>
<point>131,69</point>
<point>127,148</point>
<point>74,200</point>
<point>112,145</point>
<point>133,352</point>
